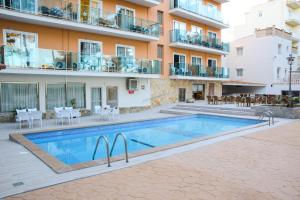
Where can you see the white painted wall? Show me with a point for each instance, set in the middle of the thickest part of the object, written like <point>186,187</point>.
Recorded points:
<point>260,60</point>
<point>273,13</point>
<point>140,98</point>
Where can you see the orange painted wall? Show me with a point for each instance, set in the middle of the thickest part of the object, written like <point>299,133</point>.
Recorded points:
<point>60,39</point>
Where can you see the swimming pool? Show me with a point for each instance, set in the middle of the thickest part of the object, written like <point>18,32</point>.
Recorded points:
<point>75,146</point>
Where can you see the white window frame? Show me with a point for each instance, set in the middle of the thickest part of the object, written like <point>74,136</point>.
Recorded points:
<point>194,56</point>
<point>242,71</point>
<point>176,21</point>
<point>212,59</point>
<point>179,54</point>
<point>20,32</point>
<point>90,41</point>
<point>237,52</point>
<point>126,46</point>
<point>197,27</point>
<point>127,8</point>
<point>209,31</point>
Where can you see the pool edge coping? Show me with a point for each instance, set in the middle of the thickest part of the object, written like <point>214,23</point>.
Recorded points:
<point>60,167</point>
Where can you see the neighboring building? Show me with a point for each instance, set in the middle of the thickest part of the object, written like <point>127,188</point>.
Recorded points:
<point>260,62</point>
<point>283,14</point>
<point>133,54</point>
<point>258,55</point>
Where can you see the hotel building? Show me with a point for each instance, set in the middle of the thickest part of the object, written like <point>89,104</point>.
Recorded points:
<point>133,54</point>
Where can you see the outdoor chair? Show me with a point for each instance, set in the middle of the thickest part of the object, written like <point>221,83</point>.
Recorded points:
<point>23,117</point>
<point>75,114</point>
<point>62,114</point>
<point>209,100</point>
<point>36,116</point>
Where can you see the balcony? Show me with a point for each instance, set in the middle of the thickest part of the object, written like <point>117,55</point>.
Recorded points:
<point>146,3</point>
<point>196,42</point>
<point>197,72</point>
<point>82,18</point>
<point>293,19</point>
<point>196,11</point>
<point>294,4</point>
<point>53,62</point>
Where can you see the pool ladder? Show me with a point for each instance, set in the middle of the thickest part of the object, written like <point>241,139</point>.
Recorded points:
<point>109,153</point>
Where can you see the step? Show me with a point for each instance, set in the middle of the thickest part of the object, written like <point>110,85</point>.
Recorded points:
<point>229,112</point>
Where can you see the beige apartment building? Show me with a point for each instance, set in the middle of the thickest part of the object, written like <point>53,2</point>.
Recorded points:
<point>132,54</point>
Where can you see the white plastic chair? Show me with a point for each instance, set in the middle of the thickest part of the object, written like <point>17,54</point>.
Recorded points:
<point>115,112</point>
<point>75,114</point>
<point>61,114</point>
<point>36,115</point>
<point>23,116</point>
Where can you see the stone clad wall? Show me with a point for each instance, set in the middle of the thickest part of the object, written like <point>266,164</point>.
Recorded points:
<point>165,91</point>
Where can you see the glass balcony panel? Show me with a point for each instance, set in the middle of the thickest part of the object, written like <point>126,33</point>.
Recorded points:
<point>184,69</point>
<point>93,15</point>
<point>182,36</point>
<point>14,57</point>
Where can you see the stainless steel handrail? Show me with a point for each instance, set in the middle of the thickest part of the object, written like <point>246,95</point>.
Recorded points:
<point>107,148</point>
<point>125,144</point>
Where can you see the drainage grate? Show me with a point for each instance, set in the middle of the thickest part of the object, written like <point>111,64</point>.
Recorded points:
<point>17,184</point>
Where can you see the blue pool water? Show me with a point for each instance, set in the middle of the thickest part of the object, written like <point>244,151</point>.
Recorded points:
<point>74,146</point>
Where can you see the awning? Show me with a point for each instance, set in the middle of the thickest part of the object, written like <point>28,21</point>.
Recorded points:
<point>243,83</point>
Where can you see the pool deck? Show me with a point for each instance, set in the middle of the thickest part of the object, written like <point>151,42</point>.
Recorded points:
<point>262,163</point>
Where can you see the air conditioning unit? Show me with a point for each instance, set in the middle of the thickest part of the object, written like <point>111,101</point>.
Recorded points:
<point>132,84</point>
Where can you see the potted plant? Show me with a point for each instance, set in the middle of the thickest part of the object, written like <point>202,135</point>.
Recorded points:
<point>73,102</point>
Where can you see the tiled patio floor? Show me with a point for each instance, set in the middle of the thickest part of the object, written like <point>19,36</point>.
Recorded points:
<point>264,165</point>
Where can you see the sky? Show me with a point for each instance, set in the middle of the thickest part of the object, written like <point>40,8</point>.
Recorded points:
<point>233,12</point>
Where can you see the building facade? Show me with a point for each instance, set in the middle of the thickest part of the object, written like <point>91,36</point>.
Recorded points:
<point>261,59</point>
<point>261,46</point>
<point>283,14</point>
<point>124,53</point>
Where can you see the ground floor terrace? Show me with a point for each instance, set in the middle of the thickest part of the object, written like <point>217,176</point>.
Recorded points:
<point>259,163</point>
<point>48,89</point>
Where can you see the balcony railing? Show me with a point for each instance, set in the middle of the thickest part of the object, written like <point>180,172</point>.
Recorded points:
<point>197,7</point>
<point>67,10</point>
<point>185,69</point>
<point>48,59</point>
<point>182,36</point>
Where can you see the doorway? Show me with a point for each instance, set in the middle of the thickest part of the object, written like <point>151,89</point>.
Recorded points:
<point>112,96</point>
<point>198,91</point>
<point>181,96</point>
<point>96,98</point>
<point>179,64</point>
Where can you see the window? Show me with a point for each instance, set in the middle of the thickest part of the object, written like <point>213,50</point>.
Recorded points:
<point>279,48</point>
<point>278,72</point>
<point>20,39</point>
<point>260,14</point>
<point>196,61</point>
<point>239,72</point>
<point>239,51</point>
<point>179,26</point>
<point>126,17</point>
<point>22,53</point>
<point>22,5</point>
<point>61,94</point>
<point>212,37</point>
<point>96,98</point>
<point>90,54</point>
<point>160,51</point>
<point>212,63</point>
<point>160,20</point>
<point>18,96</point>
<point>125,51</point>
<point>196,29</point>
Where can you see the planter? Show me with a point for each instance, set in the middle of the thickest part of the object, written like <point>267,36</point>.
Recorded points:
<point>279,111</point>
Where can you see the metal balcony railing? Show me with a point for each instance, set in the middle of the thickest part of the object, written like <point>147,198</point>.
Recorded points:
<point>48,59</point>
<point>185,69</point>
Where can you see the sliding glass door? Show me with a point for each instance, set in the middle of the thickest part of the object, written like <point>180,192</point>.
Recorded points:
<point>96,99</point>
<point>22,5</point>
<point>18,96</point>
<point>90,55</point>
